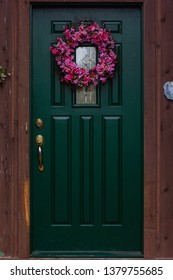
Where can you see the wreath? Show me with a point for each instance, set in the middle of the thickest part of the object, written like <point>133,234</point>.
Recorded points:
<point>64,53</point>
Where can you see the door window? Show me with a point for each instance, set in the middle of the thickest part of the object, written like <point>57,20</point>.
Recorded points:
<point>86,58</point>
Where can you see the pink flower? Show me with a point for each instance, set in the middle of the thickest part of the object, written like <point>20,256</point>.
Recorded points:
<point>64,50</point>
<point>103,80</point>
<point>68,77</point>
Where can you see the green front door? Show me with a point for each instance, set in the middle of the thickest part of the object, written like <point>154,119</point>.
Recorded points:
<point>88,200</point>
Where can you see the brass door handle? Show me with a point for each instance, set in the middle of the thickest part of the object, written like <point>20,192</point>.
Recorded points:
<point>40,141</point>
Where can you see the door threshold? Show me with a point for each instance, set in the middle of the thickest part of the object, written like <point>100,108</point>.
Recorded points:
<point>87,254</point>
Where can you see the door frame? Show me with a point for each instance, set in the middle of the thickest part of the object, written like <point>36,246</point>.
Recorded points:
<point>21,113</point>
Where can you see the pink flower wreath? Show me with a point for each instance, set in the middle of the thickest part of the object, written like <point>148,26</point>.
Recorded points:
<point>64,55</point>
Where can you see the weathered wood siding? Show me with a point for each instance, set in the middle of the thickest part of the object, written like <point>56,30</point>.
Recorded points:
<point>165,73</point>
<point>7,137</point>
<point>14,128</point>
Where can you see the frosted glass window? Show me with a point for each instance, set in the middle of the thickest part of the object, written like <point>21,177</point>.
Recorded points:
<point>86,58</point>
<point>86,95</point>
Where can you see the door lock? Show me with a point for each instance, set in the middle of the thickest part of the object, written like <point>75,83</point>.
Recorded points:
<point>39,123</point>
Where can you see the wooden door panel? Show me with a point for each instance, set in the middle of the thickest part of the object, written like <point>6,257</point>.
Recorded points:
<point>88,200</point>
<point>61,177</point>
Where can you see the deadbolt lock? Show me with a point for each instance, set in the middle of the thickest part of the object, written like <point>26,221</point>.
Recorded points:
<point>39,123</point>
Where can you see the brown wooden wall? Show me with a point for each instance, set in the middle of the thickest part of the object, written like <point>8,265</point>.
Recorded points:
<point>165,196</point>
<point>14,134</point>
<point>7,137</point>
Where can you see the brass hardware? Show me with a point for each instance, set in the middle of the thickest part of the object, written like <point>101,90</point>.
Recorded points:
<point>40,159</point>
<point>39,123</point>
<point>40,141</point>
